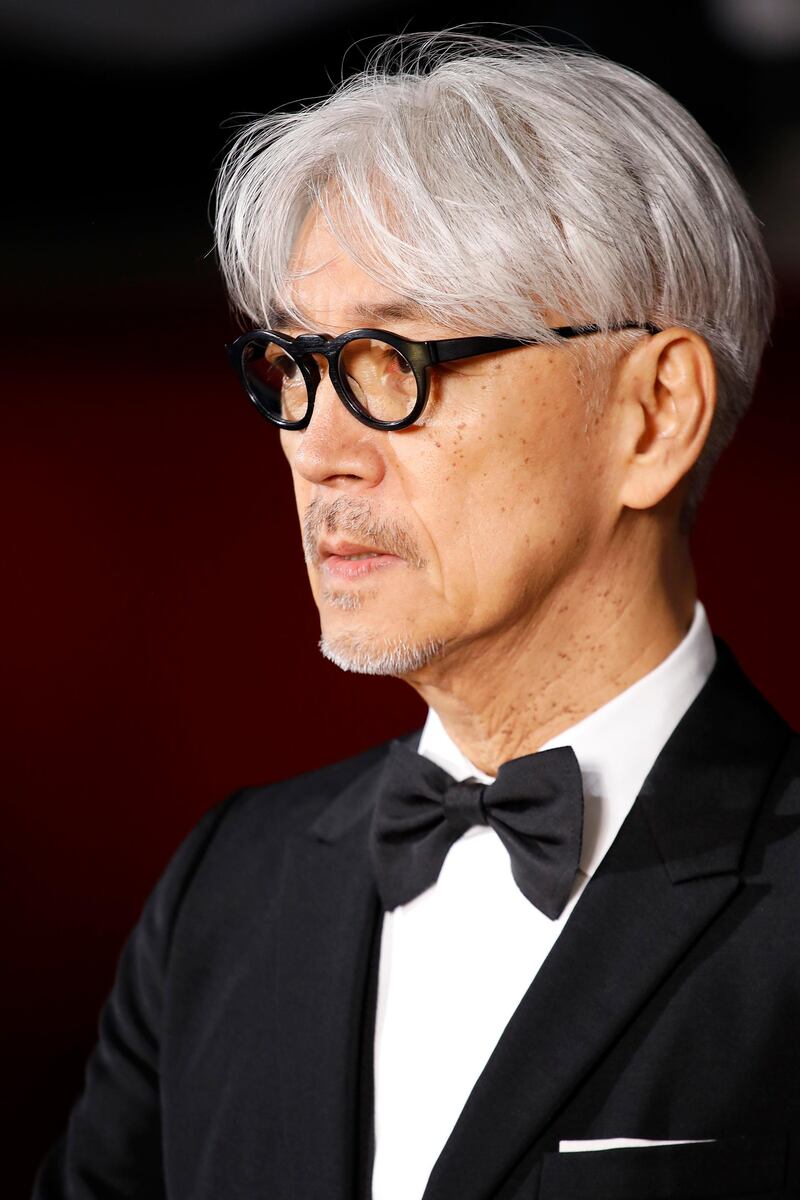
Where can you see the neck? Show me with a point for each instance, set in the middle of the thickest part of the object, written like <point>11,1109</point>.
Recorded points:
<point>596,635</point>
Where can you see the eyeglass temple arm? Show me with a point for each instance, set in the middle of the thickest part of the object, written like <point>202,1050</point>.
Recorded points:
<point>452,349</point>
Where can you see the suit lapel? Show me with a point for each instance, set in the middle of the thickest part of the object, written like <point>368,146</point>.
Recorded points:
<point>672,869</point>
<point>330,919</point>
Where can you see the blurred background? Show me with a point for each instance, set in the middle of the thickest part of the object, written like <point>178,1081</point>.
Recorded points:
<point>160,647</point>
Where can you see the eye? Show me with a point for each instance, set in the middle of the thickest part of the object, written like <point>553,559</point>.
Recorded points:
<point>282,367</point>
<point>286,365</point>
<point>394,361</point>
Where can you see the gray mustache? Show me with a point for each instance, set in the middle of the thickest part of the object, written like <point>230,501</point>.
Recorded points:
<point>357,519</point>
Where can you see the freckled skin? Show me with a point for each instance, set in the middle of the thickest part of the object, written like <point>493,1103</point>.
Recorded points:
<point>529,554</point>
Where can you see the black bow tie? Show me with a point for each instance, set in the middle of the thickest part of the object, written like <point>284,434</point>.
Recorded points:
<point>535,806</point>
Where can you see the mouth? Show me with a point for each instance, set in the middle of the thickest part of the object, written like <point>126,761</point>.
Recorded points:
<point>348,561</point>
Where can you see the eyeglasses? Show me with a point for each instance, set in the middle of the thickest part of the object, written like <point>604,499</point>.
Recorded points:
<point>381,378</point>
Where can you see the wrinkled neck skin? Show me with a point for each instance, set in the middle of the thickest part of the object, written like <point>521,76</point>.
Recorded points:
<point>612,620</point>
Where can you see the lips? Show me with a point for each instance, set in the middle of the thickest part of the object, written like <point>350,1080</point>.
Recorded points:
<point>352,560</point>
<point>340,549</point>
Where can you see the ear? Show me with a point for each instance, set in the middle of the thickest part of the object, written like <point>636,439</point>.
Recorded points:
<point>668,392</point>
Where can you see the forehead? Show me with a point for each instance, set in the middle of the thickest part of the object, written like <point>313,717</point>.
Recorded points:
<point>330,290</point>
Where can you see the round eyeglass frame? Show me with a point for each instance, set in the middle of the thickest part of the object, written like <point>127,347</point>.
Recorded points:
<point>420,356</point>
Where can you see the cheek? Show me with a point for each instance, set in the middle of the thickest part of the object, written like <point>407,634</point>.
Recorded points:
<point>529,500</point>
<point>512,480</point>
<point>430,487</point>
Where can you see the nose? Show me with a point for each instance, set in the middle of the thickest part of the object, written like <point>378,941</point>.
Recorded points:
<point>335,449</point>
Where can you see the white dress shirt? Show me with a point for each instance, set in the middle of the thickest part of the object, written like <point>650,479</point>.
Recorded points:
<point>456,961</point>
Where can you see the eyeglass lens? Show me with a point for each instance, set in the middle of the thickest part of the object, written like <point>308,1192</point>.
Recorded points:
<point>377,376</point>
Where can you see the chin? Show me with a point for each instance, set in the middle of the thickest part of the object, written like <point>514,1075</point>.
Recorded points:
<point>372,654</point>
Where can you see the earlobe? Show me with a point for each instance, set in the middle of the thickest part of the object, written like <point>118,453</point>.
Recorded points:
<point>669,399</point>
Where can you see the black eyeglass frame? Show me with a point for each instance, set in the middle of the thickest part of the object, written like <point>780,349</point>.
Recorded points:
<point>419,355</point>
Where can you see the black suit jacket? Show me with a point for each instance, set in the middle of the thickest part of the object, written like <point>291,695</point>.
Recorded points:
<point>234,1053</point>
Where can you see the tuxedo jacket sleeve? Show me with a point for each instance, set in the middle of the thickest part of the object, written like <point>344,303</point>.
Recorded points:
<point>207,928</point>
<point>114,1143</point>
<point>234,1054</point>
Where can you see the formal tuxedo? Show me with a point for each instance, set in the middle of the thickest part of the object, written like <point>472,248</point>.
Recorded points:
<point>235,1052</point>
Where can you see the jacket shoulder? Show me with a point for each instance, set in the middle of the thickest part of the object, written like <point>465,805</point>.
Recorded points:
<point>241,840</point>
<point>280,808</point>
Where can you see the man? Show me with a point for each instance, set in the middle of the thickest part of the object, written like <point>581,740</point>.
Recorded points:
<point>510,305</point>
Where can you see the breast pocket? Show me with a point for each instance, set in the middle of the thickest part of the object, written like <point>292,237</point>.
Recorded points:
<point>753,1167</point>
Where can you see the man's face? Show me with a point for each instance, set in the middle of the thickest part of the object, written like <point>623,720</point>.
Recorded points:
<point>441,541</point>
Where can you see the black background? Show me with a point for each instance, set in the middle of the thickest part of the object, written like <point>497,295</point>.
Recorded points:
<point>160,646</point>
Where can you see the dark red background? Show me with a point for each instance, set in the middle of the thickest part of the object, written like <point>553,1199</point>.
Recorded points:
<point>160,645</point>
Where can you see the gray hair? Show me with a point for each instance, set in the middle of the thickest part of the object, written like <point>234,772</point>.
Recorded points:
<point>491,181</point>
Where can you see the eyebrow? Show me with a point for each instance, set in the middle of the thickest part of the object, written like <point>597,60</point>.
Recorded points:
<point>402,309</point>
<point>278,318</point>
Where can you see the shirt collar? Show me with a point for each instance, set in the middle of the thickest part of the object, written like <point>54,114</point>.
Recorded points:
<point>617,744</point>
